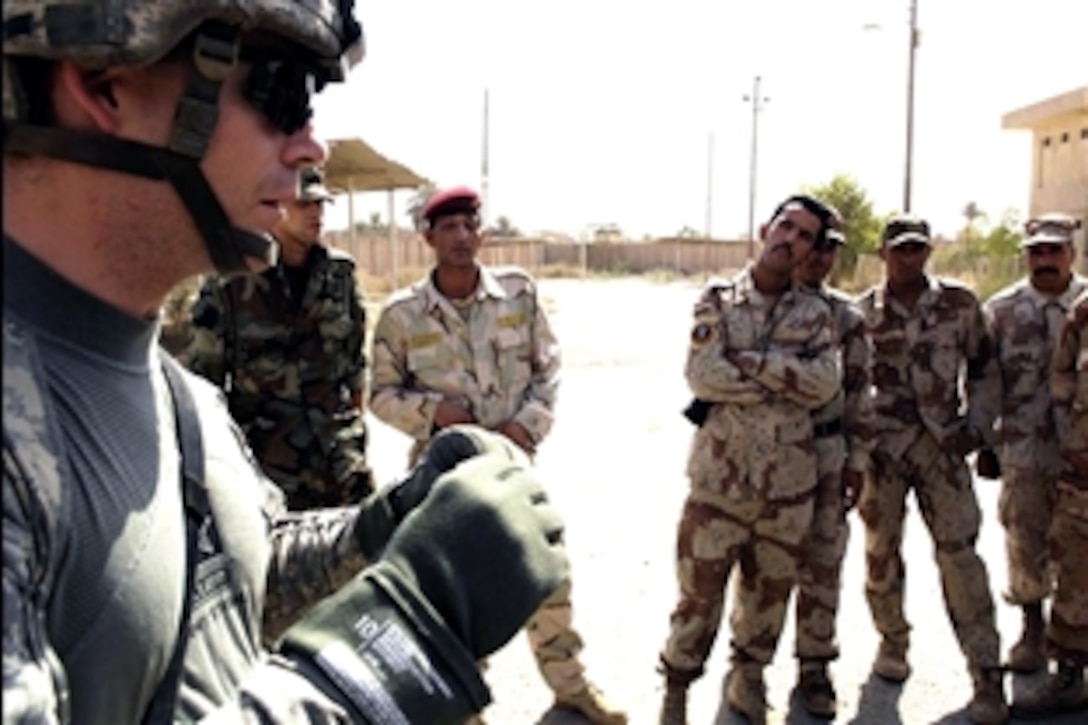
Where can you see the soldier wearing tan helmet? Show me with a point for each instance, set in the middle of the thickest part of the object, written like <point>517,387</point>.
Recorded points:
<point>145,555</point>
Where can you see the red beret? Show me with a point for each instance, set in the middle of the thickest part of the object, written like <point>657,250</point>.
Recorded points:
<point>454,200</point>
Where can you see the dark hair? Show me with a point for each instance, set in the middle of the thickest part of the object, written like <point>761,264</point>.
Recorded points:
<point>826,214</point>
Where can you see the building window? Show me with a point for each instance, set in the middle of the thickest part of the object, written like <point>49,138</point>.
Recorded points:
<point>1046,141</point>
<point>1065,137</point>
<point>1084,134</point>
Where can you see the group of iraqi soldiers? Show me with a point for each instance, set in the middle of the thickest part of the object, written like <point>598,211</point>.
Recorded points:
<point>801,394</point>
<point>844,391</point>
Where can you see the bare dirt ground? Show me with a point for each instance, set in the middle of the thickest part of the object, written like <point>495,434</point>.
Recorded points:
<point>614,466</point>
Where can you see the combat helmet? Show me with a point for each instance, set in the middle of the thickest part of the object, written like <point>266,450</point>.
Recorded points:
<point>323,41</point>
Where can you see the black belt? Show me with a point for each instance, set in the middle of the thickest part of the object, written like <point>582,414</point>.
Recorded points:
<point>830,428</point>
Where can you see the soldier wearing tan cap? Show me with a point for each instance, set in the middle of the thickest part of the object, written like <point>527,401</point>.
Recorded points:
<point>1026,319</point>
<point>1067,631</point>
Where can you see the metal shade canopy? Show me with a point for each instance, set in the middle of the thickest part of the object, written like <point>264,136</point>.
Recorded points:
<point>353,165</point>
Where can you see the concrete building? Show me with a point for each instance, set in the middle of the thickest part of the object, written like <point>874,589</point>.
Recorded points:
<point>1059,157</point>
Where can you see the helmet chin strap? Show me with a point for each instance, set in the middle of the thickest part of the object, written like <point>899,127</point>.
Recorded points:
<point>228,246</point>
<point>215,55</point>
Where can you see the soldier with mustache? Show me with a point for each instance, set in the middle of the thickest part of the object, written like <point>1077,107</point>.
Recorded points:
<point>761,358</point>
<point>1026,319</point>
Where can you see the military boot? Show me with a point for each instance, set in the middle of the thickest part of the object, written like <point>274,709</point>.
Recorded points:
<point>817,691</point>
<point>1028,655</point>
<point>1063,692</point>
<point>674,708</point>
<point>891,661</point>
<point>988,704</point>
<point>746,692</point>
<point>593,706</point>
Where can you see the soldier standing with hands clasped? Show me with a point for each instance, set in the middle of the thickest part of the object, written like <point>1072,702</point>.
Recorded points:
<point>1026,319</point>
<point>930,340</point>
<point>472,344</point>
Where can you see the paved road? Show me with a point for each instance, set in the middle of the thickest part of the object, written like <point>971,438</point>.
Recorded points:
<point>614,466</point>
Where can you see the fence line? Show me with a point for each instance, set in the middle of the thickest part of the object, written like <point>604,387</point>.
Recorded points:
<point>381,257</point>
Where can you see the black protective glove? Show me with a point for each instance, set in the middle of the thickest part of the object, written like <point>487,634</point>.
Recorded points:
<point>460,576</point>
<point>382,511</point>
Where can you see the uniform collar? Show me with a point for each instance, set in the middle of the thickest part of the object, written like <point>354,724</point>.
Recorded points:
<point>487,286</point>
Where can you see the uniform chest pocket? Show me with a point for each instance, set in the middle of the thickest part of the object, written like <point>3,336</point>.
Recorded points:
<point>426,354</point>
<point>512,338</point>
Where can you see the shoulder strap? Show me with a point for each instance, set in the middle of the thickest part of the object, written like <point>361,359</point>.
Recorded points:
<point>197,509</point>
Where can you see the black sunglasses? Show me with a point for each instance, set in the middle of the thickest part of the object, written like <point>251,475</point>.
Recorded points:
<point>281,86</point>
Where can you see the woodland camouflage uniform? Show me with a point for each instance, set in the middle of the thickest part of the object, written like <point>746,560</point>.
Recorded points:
<point>294,372</point>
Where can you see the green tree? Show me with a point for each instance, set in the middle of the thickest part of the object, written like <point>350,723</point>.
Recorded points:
<point>504,228</point>
<point>861,225</point>
<point>1003,239</point>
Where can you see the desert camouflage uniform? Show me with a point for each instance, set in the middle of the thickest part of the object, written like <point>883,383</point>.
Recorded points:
<point>500,363</point>
<point>844,438</point>
<point>765,365</point>
<point>1067,631</point>
<point>294,371</point>
<point>920,418</point>
<point>1026,325</point>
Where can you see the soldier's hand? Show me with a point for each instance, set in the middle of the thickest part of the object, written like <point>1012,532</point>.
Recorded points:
<point>852,483</point>
<point>965,441</point>
<point>518,434</point>
<point>450,412</point>
<point>458,579</point>
<point>987,464</point>
<point>381,512</point>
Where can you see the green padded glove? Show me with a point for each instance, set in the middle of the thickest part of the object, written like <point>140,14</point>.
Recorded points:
<point>382,511</point>
<point>460,576</point>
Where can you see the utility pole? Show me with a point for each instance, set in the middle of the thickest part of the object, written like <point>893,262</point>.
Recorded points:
<point>709,200</point>
<point>484,164</point>
<point>757,102</point>
<point>907,172</point>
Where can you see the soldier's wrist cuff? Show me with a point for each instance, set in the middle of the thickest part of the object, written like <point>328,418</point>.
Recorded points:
<point>388,652</point>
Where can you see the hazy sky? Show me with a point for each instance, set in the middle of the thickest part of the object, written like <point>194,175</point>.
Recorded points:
<point>601,109</point>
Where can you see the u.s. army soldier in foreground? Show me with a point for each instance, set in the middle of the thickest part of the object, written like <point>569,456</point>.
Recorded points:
<point>1026,320</point>
<point>929,340</point>
<point>844,438</point>
<point>472,344</point>
<point>763,357</point>
<point>146,141</point>
<point>287,347</point>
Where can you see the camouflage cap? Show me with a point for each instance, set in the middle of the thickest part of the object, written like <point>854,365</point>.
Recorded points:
<point>1050,229</point>
<point>902,229</point>
<point>311,185</point>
